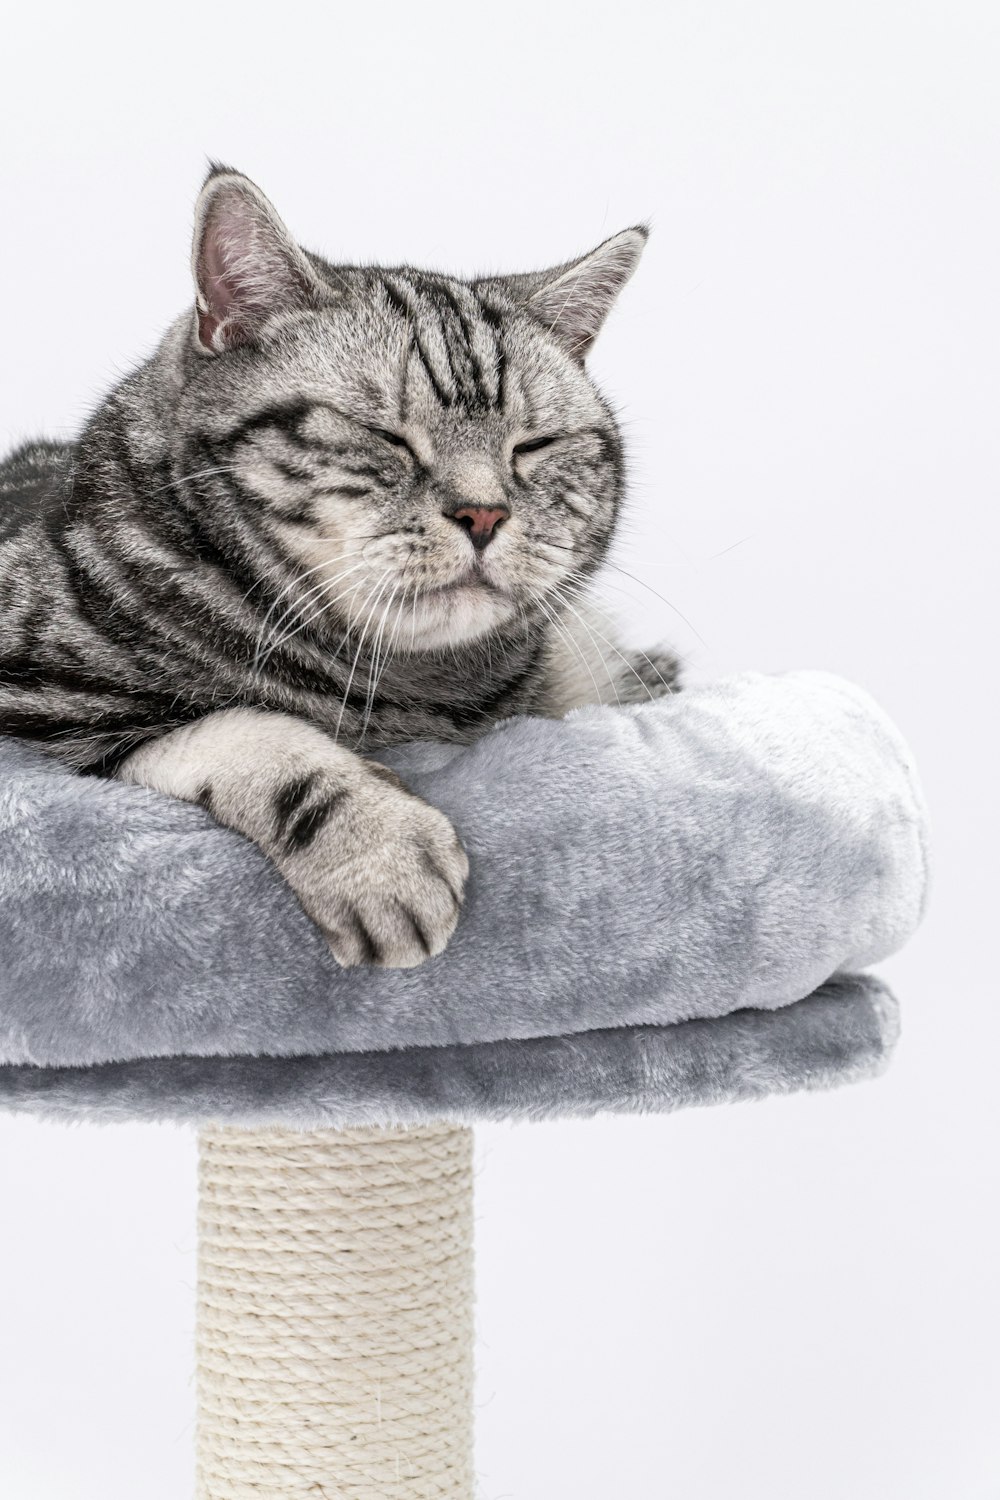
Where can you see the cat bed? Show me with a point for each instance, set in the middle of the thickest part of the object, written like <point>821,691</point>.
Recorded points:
<point>669,904</point>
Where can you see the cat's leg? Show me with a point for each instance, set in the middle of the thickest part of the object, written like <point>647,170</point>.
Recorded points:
<point>379,871</point>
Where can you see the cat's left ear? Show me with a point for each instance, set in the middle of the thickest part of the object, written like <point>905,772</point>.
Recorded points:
<point>245,263</point>
<point>573,300</point>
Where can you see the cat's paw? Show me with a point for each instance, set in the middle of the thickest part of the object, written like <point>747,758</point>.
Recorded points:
<point>645,675</point>
<point>379,871</point>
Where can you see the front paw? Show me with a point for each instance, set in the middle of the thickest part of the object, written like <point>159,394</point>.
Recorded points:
<point>379,871</point>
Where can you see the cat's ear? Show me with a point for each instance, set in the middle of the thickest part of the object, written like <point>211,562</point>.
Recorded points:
<point>573,300</point>
<point>246,265</point>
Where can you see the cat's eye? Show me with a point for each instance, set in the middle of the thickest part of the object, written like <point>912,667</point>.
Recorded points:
<point>391,437</point>
<point>533,445</point>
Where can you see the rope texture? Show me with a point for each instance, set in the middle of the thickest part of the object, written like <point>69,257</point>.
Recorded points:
<point>335,1314</point>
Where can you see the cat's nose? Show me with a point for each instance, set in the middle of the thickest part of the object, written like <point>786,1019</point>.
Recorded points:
<point>482,522</point>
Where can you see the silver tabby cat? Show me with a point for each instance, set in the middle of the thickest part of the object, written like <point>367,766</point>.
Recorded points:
<point>340,508</point>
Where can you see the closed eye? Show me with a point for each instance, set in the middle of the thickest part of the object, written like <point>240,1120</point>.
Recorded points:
<point>393,438</point>
<point>534,444</point>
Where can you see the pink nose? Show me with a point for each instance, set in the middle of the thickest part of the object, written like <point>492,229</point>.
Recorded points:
<point>481,522</point>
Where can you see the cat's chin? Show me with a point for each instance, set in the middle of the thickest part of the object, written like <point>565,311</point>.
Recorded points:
<point>455,615</point>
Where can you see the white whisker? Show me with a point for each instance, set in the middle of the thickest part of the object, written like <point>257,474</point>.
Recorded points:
<point>317,590</point>
<point>570,639</point>
<point>592,632</point>
<point>174,484</point>
<point>643,584</point>
<point>377,591</point>
<point>375,671</point>
<point>326,604</point>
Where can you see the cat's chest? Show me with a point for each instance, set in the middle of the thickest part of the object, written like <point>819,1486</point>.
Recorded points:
<point>367,712</point>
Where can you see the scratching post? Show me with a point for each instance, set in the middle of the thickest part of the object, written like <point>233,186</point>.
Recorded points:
<point>335,1314</point>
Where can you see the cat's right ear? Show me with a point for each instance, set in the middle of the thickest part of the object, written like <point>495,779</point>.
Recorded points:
<point>246,265</point>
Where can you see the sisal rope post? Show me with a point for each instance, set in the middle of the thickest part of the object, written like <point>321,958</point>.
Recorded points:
<point>335,1341</point>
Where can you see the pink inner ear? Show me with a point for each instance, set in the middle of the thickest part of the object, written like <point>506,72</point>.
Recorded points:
<point>216,291</point>
<point>246,269</point>
<point>219,285</point>
<point>229,247</point>
<point>208,327</point>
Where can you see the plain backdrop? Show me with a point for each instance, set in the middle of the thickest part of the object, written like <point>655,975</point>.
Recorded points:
<point>793,1299</point>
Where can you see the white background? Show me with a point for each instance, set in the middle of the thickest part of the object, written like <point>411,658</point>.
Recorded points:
<point>796,1299</point>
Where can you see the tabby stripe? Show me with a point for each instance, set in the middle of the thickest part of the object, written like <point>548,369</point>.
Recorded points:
<point>481,397</point>
<point>26,671</point>
<point>308,824</point>
<point>303,514</point>
<point>289,799</point>
<point>494,321</point>
<point>296,472</point>
<point>403,305</point>
<point>362,471</point>
<point>451,343</point>
<point>284,415</point>
<point>454,344</point>
<point>472,712</point>
<point>126,607</point>
<point>98,604</point>
<point>352,491</point>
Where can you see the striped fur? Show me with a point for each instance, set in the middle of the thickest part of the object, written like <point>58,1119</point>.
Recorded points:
<point>262,520</point>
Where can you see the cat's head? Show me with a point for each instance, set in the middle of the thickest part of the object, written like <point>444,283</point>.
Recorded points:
<point>432,448</point>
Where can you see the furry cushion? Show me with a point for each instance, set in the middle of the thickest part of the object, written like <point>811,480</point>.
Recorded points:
<point>660,896</point>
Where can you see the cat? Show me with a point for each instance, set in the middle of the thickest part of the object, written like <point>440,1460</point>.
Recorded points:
<point>339,508</point>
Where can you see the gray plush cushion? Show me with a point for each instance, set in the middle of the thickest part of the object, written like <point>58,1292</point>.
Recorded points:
<point>659,898</point>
